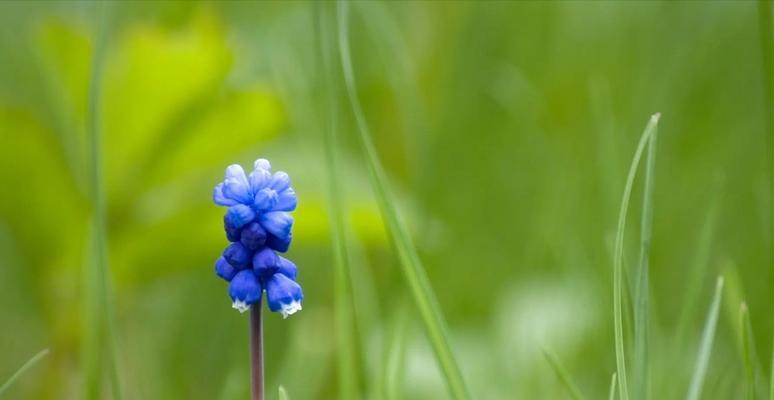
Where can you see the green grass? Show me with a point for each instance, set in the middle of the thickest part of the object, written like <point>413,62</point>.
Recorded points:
<point>348,370</point>
<point>282,394</point>
<point>26,366</point>
<point>99,346</point>
<point>641,295</point>
<point>416,278</point>
<point>647,135</point>
<point>748,357</point>
<point>611,395</point>
<point>771,378</point>
<point>563,375</point>
<point>705,346</point>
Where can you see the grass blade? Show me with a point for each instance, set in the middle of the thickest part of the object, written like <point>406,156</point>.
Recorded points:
<point>563,375</point>
<point>344,311</point>
<point>618,260</point>
<point>771,378</point>
<point>99,332</point>
<point>641,290</point>
<point>415,275</point>
<point>282,393</point>
<point>611,396</point>
<point>698,269</point>
<point>395,355</point>
<point>705,347</point>
<point>747,352</point>
<point>16,375</point>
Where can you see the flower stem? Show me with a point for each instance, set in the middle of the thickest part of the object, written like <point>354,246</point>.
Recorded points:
<point>256,350</point>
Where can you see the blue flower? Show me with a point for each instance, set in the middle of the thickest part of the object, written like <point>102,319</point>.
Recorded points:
<point>283,295</point>
<point>245,290</point>
<point>258,224</point>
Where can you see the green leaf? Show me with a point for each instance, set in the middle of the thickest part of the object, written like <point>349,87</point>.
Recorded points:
<point>618,259</point>
<point>416,278</point>
<point>705,347</point>
<point>563,375</point>
<point>16,375</point>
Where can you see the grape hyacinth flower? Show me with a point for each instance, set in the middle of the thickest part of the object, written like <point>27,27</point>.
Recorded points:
<point>258,225</point>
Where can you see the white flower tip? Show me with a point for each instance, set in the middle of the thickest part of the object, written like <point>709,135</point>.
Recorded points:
<point>290,309</point>
<point>262,163</point>
<point>240,306</point>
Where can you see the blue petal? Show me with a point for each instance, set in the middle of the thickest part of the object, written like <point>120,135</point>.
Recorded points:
<point>278,244</point>
<point>265,263</point>
<point>220,199</point>
<point>239,215</point>
<point>262,163</point>
<point>287,268</point>
<point>232,231</point>
<point>244,290</point>
<point>286,201</point>
<point>283,295</point>
<point>235,186</point>
<point>253,236</point>
<point>225,270</point>
<point>277,223</point>
<point>259,179</point>
<point>237,255</point>
<point>266,199</point>
<point>280,181</point>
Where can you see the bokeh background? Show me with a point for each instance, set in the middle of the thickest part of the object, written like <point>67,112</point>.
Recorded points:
<point>506,129</point>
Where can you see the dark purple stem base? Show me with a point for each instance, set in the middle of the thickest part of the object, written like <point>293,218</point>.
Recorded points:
<point>256,351</point>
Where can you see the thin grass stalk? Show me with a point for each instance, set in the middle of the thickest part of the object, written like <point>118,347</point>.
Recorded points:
<point>698,271</point>
<point>101,323</point>
<point>642,289</point>
<point>415,275</point>
<point>395,356</point>
<point>611,395</point>
<point>705,346</point>
<point>620,355</point>
<point>748,359</point>
<point>767,58</point>
<point>563,375</point>
<point>771,377</point>
<point>344,311</point>
<point>282,394</point>
<point>19,372</point>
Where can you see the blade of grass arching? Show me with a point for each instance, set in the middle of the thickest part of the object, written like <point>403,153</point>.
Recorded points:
<point>747,352</point>
<point>705,346</point>
<point>99,329</point>
<point>16,375</point>
<point>611,396</point>
<point>282,393</point>
<point>415,275</point>
<point>563,375</point>
<point>641,291</point>
<point>618,260</point>
<point>348,373</point>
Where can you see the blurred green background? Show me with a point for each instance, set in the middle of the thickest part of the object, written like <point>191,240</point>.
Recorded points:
<point>506,129</point>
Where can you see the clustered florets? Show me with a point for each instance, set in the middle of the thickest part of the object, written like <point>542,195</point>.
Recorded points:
<point>258,225</point>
